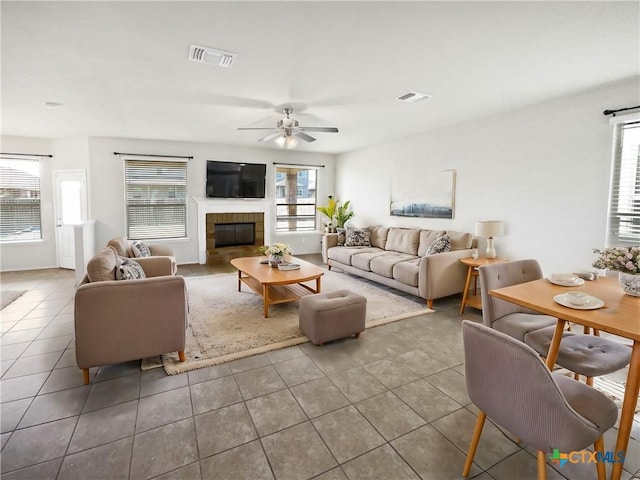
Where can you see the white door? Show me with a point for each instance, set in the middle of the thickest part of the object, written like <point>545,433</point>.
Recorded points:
<point>71,209</point>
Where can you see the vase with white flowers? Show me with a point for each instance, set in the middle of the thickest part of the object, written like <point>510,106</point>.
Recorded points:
<point>625,261</point>
<point>276,252</point>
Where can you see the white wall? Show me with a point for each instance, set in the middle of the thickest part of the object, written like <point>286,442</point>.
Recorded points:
<point>544,170</point>
<point>107,185</point>
<point>42,253</point>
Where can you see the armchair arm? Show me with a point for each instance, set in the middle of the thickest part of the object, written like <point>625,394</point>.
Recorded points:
<point>117,321</point>
<point>157,266</point>
<point>159,249</point>
<point>328,240</point>
<point>442,274</point>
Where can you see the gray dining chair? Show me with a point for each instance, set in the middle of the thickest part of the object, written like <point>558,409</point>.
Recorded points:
<point>508,381</point>
<point>588,355</point>
<point>507,317</point>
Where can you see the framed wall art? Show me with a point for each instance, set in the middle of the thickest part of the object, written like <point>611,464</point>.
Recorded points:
<point>431,196</point>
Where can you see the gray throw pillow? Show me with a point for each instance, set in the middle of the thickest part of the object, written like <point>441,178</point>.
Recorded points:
<point>342,237</point>
<point>357,237</point>
<point>140,249</point>
<point>129,269</point>
<point>440,245</point>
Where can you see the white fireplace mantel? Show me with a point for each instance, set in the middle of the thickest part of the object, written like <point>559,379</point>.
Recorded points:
<point>220,205</point>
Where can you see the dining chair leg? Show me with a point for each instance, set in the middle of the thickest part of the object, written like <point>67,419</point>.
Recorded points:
<point>477,431</point>
<point>598,446</point>
<point>542,465</point>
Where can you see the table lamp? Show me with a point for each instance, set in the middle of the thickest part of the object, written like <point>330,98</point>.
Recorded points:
<point>489,229</point>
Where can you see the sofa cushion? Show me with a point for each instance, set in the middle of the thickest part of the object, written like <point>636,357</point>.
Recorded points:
<point>102,266</point>
<point>343,254</point>
<point>403,240</point>
<point>427,237</point>
<point>121,246</point>
<point>383,264</point>
<point>407,272</point>
<point>363,260</point>
<point>378,236</point>
<point>440,245</point>
<point>342,236</point>
<point>128,269</point>
<point>460,240</point>
<point>357,237</point>
<point>140,249</point>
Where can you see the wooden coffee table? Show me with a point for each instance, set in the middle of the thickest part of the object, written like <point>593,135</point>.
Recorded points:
<point>276,286</point>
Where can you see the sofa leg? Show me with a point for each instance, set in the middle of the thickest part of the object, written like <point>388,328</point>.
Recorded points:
<point>357,335</point>
<point>328,267</point>
<point>181,355</point>
<point>430,303</point>
<point>85,375</point>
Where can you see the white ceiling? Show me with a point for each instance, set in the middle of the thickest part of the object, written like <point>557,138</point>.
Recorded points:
<point>120,68</point>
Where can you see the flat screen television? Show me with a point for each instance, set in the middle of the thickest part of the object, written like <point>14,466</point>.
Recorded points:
<point>235,180</point>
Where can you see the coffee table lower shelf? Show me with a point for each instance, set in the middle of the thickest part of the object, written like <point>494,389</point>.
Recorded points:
<point>274,294</point>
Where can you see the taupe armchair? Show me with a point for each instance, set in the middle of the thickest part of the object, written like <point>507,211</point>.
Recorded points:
<point>121,320</point>
<point>509,383</point>
<point>122,246</point>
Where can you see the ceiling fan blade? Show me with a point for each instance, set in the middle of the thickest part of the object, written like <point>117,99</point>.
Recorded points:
<point>255,128</point>
<point>304,136</point>
<point>272,136</point>
<point>319,129</point>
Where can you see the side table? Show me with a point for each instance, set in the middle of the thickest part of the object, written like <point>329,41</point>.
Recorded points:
<point>473,264</point>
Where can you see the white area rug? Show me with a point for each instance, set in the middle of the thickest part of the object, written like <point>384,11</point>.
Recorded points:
<point>227,325</point>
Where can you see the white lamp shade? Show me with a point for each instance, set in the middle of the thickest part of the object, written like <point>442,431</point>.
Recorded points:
<point>489,228</point>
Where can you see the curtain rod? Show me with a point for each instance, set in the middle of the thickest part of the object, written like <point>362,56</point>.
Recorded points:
<point>613,112</point>
<point>297,165</point>
<point>28,154</point>
<point>149,155</point>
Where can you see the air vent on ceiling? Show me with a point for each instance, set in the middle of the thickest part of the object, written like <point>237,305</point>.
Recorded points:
<point>413,97</point>
<point>212,56</point>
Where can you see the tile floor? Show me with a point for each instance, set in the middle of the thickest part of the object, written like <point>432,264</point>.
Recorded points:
<point>391,405</point>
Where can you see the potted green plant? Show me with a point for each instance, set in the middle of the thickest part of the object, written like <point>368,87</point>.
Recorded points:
<point>343,214</point>
<point>329,211</point>
<point>337,215</point>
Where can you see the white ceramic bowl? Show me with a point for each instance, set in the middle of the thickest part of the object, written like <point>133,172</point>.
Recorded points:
<point>564,277</point>
<point>577,298</point>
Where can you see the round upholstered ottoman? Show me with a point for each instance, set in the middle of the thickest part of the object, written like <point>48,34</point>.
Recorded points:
<point>332,315</point>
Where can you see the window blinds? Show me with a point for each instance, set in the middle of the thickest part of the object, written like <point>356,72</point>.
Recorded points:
<point>156,199</point>
<point>20,200</point>
<point>624,213</point>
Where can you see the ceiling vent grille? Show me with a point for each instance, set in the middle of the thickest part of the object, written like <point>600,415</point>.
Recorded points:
<point>412,97</point>
<point>212,56</point>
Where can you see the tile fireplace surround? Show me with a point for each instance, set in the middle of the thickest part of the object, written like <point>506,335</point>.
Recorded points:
<point>219,206</point>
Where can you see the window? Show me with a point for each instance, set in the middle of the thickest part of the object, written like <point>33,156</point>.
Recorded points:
<point>295,199</point>
<point>20,200</point>
<point>156,198</point>
<point>624,210</point>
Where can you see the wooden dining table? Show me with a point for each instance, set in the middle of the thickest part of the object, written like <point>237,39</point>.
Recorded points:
<point>619,315</point>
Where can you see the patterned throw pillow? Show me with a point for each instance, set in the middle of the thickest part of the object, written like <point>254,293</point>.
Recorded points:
<point>357,237</point>
<point>342,238</point>
<point>140,249</point>
<point>439,245</point>
<point>129,270</point>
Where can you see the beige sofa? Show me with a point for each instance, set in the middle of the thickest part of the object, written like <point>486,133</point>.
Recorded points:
<point>398,258</point>
<point>121,320</point>
<point>122,246</point>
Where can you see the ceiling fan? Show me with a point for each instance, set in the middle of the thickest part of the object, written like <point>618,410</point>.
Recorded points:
<point>287,131</point>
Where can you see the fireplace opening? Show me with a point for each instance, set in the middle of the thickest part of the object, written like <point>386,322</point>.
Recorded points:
<point>234,234</point>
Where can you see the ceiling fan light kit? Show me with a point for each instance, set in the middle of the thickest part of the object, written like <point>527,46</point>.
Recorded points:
<point>288,131</point>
